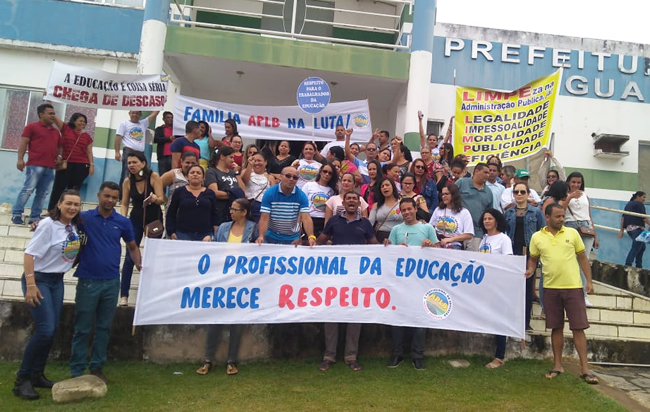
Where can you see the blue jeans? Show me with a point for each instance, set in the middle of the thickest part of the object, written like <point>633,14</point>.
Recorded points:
<point>39,178</point>
<point>95,302</point>
<point>637,249</point>
<point>589,244</point>
<point>46,321</point>
<point>127,267</point>
<point>192,235</point>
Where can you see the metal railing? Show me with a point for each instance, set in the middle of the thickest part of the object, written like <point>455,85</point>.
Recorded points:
<point>622,212</point>
<point>185,15</point>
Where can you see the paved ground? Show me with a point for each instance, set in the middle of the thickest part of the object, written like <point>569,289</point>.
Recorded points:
<point>620,383</point>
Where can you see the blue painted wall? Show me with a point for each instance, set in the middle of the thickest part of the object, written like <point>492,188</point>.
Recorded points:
<point>72,24</point>
<point>612,249</point>
<point>481,72</point>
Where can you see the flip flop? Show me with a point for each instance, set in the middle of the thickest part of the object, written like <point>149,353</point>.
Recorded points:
<point>590,378</point>
<point>354,365</point>
<point>325,365</point>
<point>231,369</point>
<point>496,363</point>
<point>552,374</point>
<point>205,368</point>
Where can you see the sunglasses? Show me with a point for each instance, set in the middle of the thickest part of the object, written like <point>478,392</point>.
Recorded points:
<point>519,192</point>
<point>419,167</point>
<point>326,172</point>
<point>290,176</point>
<point>371,149</point>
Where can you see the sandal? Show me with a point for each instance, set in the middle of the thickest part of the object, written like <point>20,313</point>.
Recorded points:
<point>590,378</point>
<point>496,363</point>
<point>325,365</point>
<point>354,365</point>
<point>205,368</point>
<point>231,369</point>
<point>553,373</point>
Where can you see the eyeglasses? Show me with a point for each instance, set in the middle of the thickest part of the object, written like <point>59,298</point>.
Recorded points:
<point>419,167</point>
<point>326,172</point>
<point>290,176</point>
<point>520,192</point>
<point>234,209</point>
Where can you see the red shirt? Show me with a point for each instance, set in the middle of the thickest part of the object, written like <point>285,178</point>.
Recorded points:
<point>43,144</point>
<point>80,150</point>
<point>168,130</point>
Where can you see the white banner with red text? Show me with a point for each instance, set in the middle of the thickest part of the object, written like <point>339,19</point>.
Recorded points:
<point>275,122</point>
<point>225,283</point>
<point>82,86</point>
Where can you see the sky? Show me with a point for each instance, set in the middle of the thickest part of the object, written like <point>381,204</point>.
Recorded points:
<point>624,20</point>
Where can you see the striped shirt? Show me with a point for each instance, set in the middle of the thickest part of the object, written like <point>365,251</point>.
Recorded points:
<point>284,212</point>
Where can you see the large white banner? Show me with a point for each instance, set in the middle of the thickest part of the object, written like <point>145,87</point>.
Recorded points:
<point>275,122</point>
<point>82,86</point>
<point>204,283</point>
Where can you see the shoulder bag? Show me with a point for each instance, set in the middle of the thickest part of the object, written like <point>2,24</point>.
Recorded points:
<point>583,230</point>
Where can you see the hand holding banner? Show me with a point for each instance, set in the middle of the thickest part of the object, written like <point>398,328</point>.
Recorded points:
<point>233,283</point>
<point>96,88</point>
<point>511,125</point>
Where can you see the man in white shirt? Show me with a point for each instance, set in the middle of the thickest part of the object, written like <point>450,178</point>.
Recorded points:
<point>132,133</point>
<point>508,201</point>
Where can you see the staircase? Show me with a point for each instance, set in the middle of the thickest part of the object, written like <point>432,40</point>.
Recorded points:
<point>14,239</point>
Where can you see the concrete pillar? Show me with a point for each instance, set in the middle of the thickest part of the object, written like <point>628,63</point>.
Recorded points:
<point>152,39</point>
<point>152,45</point>
<point>417,94</point>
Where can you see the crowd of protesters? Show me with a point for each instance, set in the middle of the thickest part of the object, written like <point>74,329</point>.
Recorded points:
<point>214,189</point>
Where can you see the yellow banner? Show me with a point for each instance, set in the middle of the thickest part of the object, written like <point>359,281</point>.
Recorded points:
<point>511,125</point>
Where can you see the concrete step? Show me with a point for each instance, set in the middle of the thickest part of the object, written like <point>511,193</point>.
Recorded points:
<point>603,329</point>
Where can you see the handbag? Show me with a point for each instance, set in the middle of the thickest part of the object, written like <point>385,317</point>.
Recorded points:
<point>643,237</point>
<point>376,227</point>
<point>64,163</point>
<point>584,230</point>
<point>155,229</point>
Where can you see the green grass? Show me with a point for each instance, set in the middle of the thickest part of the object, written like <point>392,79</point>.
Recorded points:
<point>299,386</point>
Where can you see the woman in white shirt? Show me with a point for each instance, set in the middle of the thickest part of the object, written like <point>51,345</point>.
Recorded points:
<point>255,181</point>
<point>307,167</point>
<point>578,215</point>
<point>48,256</point>
<point>452,222</point>
<point>496,242</point>
<point>319,192</point>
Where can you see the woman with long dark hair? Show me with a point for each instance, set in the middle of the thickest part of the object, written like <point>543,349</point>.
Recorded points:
<point>281,159</point>
<point>143,188</point>
<point>495,242</point>
<point>204,144</point>
<point>523,220</point>
<point>369,190</point>
<point>241,229</point>
<point>77,156</point>
<point>386,214</point>
<point>50,253</point>
<point>424,186</point>
<point>634,225</point>
<point>255,180</point>
<point>578,215</point>
<point>452,222</point>
<point>319,192</point>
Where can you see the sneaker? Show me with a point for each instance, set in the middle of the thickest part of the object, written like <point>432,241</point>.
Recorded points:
<point>588,303</point>
<point>24,389</point>
<point>100,375</point>
<point>17,220</point>
<point>395,361</point>
<point>124,301</point>
<point>418,364</point>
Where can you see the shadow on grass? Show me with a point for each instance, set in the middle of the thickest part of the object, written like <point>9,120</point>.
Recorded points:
<point>298,385</point>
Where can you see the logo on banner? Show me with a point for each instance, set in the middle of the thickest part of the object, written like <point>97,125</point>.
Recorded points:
<point>437,303</point>
<point>361,120</point>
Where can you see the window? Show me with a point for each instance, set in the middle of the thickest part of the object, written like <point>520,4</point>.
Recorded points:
<point>644,166</point>
<point>435,127</point>
<point>18,108</point>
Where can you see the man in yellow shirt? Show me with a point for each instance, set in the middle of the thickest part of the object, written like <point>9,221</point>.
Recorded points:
<point>557,246</point>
